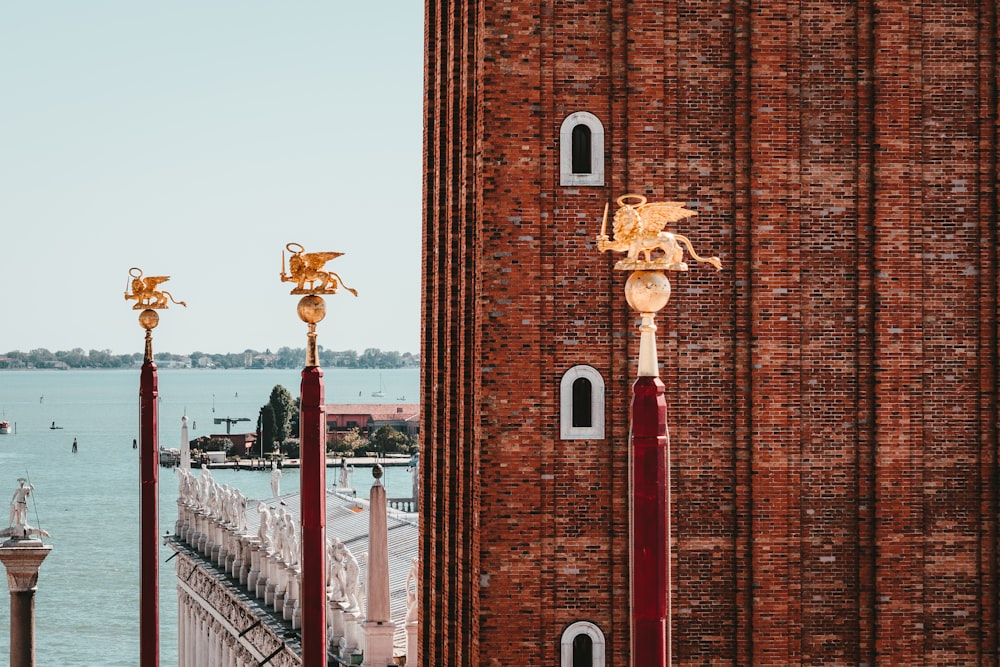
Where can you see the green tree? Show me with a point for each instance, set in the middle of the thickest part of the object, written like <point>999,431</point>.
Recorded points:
<point>351,442</point>
<point>267,428</point>
<point>281,403</point>
<point>388,440</point>
<point>293,421</point>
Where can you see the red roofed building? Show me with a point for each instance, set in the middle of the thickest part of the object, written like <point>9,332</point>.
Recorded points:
<point>404,417</point>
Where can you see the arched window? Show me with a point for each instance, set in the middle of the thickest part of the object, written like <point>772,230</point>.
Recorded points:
<point>582,645</point>
<point>581,150</point>
<point>583,416</point>
<point>581,404</point>
<point>583,651</point>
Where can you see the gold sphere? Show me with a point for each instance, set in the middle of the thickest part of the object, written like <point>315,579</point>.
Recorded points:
<point>647,291</point>
<point>148,319</point>
<point>312,309</point>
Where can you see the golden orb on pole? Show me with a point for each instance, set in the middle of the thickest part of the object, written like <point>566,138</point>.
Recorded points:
<point>647,291</point>
<point>148,319</point>
<point>312,309</point>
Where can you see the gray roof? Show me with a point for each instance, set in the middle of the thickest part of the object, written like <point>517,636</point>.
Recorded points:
<point>347,520</point>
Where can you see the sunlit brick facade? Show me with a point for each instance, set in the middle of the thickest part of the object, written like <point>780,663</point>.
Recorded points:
<point>831,392</point>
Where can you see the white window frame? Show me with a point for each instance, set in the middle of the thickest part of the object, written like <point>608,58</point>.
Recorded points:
<point>596,429</point>
<point>596,175</point>
<point>597,641</point>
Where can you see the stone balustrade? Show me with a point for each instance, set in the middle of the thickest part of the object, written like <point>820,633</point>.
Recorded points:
<point>204,538</point>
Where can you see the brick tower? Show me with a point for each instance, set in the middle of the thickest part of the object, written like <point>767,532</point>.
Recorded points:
<point>831,393</point>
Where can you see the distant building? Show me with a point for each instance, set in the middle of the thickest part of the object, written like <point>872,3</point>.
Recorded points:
<point>242,443</point>
<point>368,418</point>
<point>11,362</point>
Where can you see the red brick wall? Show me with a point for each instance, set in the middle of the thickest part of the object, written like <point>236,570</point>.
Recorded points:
<point>831,392</point>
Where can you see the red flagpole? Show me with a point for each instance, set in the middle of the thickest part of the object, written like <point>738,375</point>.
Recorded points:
<point>149,621</point>
<point>313,516</point>
<point>650,524</point>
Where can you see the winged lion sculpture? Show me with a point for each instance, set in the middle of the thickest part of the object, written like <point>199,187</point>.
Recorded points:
<point>639,231</point>
<point>306,270</point>
<point>145,292</point>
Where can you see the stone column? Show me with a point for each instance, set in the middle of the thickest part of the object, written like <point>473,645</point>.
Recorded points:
<point>378,625</point>
<point>182,613</point>
<point>22,558</point>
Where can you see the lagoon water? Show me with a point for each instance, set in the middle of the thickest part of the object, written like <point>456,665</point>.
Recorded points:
<point>87,604</point>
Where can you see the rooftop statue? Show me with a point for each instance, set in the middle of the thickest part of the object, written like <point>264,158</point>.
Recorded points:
<point>343,480</point>
<point>264,527</point>
<point>412,596</point>
<point>336,574</point>
<point>638,229</point>
<point>19,527</point>
<point>144,291</point>
<point>275,480</point>
<point>307,268</point>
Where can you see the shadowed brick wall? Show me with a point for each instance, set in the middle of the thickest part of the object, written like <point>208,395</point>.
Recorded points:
<point>831,393</point>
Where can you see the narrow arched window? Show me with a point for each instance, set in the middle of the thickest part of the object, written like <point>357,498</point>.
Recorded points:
<point>582,645</point>
<point>582,407</point>
<point>583,651</point>
<point>581,149</point>
<point>581,404</point>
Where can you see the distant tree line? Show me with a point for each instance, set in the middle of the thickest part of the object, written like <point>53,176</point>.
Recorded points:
<point>285,357</point>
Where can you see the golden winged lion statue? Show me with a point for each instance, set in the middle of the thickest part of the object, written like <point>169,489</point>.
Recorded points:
<point>145,292</point>
<point>639,231</point>
<point>305,269</point>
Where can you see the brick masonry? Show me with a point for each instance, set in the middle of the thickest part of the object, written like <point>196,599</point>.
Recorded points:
<point>831,393</point>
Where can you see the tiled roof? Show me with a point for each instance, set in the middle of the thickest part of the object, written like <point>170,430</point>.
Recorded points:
<point>380,412</point>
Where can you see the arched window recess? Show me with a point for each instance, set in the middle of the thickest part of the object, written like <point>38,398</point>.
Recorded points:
<point>581,404</point>
<point>581,150</point>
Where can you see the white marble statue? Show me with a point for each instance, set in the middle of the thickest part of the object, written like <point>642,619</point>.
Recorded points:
<point>205,483</point>
<point>352,578</point>
<point>19,504</point>
<point>412,597</point>
<point>361,595</point>
<point>290,544</point>
<point>184,485</point>
<point>345,471</point>
<point>264,529</point>
<point>336,584</point>
<point>225,504</point>
<point>275,480</point>
<point>241,512</point>
<point>278,532</point>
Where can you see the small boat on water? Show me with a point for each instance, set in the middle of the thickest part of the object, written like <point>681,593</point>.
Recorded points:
<point>381,388</point>
<point>6,428</point>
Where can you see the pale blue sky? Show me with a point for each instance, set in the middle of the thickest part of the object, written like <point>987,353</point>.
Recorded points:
<point>196,139</point>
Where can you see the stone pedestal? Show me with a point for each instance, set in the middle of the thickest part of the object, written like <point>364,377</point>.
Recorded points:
<point>378,643</point>
<point>336,614</point>
<point>254,574</point>
<point>350,644</point>
<point>412,628</point>
<point>22,557</point>
<point>263,579</point>
<point>280,587</point>
<point>291,594</point>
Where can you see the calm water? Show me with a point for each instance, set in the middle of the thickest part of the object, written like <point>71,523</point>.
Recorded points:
<point>87,604</point>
